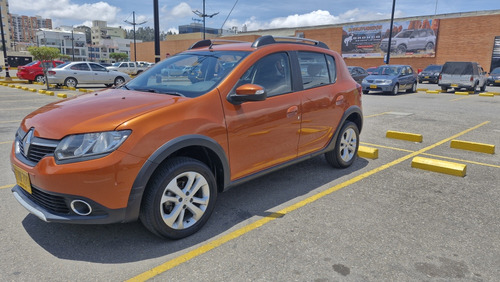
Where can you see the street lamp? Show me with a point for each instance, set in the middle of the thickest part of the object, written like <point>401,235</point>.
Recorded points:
<point>7,75</point>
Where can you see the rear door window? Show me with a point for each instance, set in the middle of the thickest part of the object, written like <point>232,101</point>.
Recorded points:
<point>316,69</point>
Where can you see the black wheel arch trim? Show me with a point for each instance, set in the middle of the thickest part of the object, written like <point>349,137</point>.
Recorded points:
<point>161,154</point>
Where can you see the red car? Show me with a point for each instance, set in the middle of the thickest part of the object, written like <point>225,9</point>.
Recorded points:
<point>34,72</point>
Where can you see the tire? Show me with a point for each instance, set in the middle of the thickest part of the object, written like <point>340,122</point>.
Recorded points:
<point>483,88</point>
<point>71,82</point>
<point>108,85</point>
<point>179,198</point>
<point>365,91</point>
<point>119,80</point>
<point>429,47</point>
<point>413,88</point>
<point>401,50</point>
<point>444,88</point>
<point>395,90</point>
<point>40,79</point>
<point>346,146</point>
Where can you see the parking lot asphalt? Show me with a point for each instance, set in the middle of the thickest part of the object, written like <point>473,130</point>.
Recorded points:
<point>380,219</point>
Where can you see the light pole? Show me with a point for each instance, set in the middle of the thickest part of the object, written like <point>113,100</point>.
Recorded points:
<point>390,34</point>
<point>6,61</point>
<point>203,15</point>
<point>133,23</point>
<point>72,44</point>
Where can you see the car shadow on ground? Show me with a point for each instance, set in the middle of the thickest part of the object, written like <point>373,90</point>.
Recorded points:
<point>130,242</point>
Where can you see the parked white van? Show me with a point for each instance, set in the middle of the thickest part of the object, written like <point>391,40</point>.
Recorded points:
<point>462,75</point>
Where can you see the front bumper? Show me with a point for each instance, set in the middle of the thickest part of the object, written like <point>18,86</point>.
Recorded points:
<point>52,210</point>
<point>377,87</point>
<point>429,78</point>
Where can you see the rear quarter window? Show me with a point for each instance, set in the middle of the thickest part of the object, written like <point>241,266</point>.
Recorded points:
<point>316,69</point>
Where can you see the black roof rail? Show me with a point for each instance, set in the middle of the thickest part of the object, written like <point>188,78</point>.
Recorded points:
<point>269,39</point>
<point>210,42</point>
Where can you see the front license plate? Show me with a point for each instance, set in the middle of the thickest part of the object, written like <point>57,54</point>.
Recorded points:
<point>426,77</point>
<point>22,179</point>
<point>497,81</point>
<point>454,85</point>
<point>373,86</point>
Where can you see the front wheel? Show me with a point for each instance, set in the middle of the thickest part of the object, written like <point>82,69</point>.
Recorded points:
<point>395,89</point>
<point>346,146</point>
<point>119,80</point>
<point>483,88</point>
<point>179,199</point>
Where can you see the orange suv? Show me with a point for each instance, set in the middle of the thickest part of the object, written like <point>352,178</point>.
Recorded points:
<point>160,148</point>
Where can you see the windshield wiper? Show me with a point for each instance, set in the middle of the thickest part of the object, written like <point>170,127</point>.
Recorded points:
<point>160,92</point>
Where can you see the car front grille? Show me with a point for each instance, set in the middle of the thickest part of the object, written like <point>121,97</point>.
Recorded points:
<point>55,204</point>
<point>38,147</point>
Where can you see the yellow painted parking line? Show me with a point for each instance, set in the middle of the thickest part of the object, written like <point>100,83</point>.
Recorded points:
<point>10,121</point>
<point>6,142</point>
<point>252,226</point>
<point>461,98</point>
<point>7,186</point>
<point>375,115</point>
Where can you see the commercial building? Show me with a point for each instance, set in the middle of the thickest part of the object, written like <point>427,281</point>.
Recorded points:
<point>69,42</point>
<point>470,36</point>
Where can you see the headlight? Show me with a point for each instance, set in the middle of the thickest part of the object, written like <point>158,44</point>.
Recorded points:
<point>364,81</point>
<point>89,145</point>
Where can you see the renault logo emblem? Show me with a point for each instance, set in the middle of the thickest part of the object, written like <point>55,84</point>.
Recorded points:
<point>28,138</point>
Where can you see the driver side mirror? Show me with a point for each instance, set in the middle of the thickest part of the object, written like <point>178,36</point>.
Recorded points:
<point>246,93</point>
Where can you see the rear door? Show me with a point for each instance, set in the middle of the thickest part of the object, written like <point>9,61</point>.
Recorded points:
<point>320,93</point>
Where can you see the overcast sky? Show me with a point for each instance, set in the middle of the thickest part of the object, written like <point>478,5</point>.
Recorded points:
<point>255,14</point>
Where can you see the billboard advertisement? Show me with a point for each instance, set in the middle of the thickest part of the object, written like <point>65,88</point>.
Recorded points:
<point>416,38</point>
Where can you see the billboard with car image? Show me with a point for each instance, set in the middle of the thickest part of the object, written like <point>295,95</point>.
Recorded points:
<point>415,38</point>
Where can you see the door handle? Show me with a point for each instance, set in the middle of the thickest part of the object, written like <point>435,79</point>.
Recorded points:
<point>292,111</point>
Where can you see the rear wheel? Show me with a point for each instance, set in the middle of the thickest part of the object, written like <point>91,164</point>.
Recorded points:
<point>444,88</point>
<point>413,88</point>
<point>40,79</point>
<point>179,198</point>
<point>346,146</point>
<point>71,82</point>
<point>483,88</point>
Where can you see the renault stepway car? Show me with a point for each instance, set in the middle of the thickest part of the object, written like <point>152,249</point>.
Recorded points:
<point>160,148</point>
<point>391,79</point>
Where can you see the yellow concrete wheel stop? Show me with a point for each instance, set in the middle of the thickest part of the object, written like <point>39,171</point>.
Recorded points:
<point>440,166</point>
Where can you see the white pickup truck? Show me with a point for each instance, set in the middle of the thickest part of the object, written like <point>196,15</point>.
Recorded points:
<point>130,68</point>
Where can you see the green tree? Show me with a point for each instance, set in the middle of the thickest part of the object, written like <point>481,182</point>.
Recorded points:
<point>118,56</point>
<point>44,54</point>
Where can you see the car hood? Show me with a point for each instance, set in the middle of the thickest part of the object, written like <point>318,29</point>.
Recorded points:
<point>381,76</point>
<point>94,112</point>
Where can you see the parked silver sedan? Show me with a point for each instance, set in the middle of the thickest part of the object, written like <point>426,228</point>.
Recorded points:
<point>73,73</point>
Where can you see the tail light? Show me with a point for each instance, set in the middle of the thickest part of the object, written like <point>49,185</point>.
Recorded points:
<point>360,89</point>
<point>471,78</point>
<point>440,77</point>
<point>51,72</point>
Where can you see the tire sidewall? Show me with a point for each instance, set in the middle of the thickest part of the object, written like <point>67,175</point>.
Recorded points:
<point>334,157</point>
<point>157,187</point>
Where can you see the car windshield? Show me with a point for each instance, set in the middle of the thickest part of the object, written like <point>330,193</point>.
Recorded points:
<point>496,71</point>
<point>387,70</point>
<point>189,74</point>
<point>433,68</point>
<point>404,34</point>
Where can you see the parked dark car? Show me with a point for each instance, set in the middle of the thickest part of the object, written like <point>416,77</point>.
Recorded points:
<point>391,79</point>
<point>370,70</point>
<point>358,73</point>
<point>430,74</point>
<point>494,77</point>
